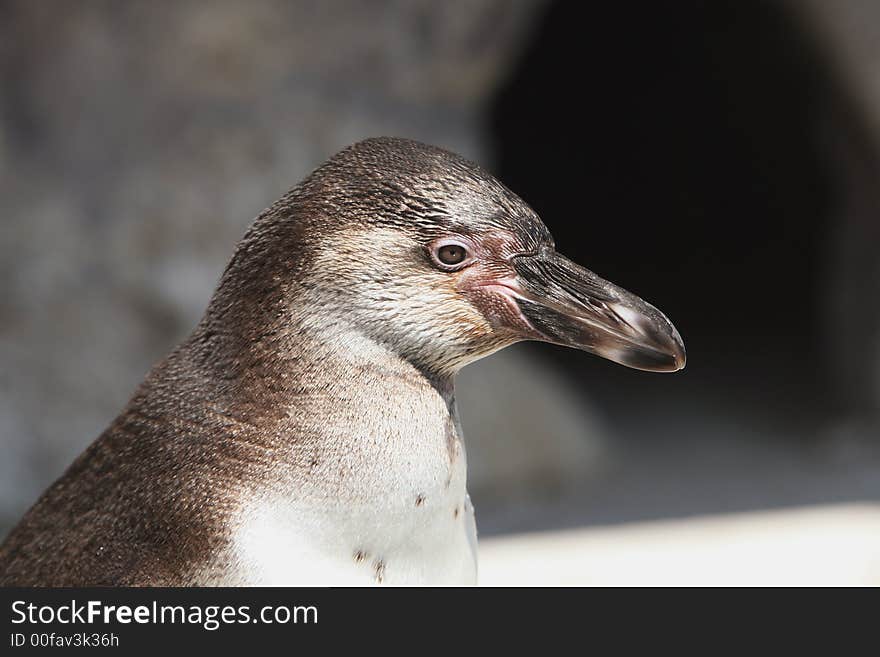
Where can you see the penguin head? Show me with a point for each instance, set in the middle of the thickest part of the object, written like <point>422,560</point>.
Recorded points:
<point>428,254</point>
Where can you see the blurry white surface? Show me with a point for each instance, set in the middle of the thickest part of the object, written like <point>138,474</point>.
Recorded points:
<point>828,545</point>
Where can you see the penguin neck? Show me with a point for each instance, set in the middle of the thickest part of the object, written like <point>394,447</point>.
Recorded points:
<point>329,360</point>
<point>354,360</point>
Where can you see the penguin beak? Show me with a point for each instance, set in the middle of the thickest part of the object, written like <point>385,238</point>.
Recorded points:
<point>569,305</point>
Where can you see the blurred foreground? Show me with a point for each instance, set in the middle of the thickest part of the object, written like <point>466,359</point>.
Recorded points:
<point>816,546</point>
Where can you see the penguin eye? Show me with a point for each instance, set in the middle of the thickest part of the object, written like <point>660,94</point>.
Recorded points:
<point>451,254</point>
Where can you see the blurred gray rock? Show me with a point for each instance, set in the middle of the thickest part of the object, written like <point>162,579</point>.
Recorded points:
<point>137,142</point>
<point>848,31</point>
<point>530,433</point>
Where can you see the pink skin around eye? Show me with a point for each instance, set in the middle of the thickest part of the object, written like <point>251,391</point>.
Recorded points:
<point>495,300</point>
<point>486,278</point>
<point>492,291</point>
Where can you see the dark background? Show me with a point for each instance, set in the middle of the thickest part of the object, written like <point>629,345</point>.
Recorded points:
<point>710,157</point>
<point>718,159</point>
<point>685,166</point>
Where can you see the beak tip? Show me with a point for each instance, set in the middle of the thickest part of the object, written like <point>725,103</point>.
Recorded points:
<point>679,355</point>
<point>673,348</point>
<point>679,360</point>
<point>666,354</point>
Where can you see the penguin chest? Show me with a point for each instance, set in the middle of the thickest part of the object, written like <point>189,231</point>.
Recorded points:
<point>411,525</point>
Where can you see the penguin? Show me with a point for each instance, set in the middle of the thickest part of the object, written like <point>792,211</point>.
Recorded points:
<point>306,432</point>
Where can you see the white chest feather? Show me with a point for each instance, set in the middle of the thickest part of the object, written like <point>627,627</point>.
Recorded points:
<point>412,522</point>
<point>436,546</point>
